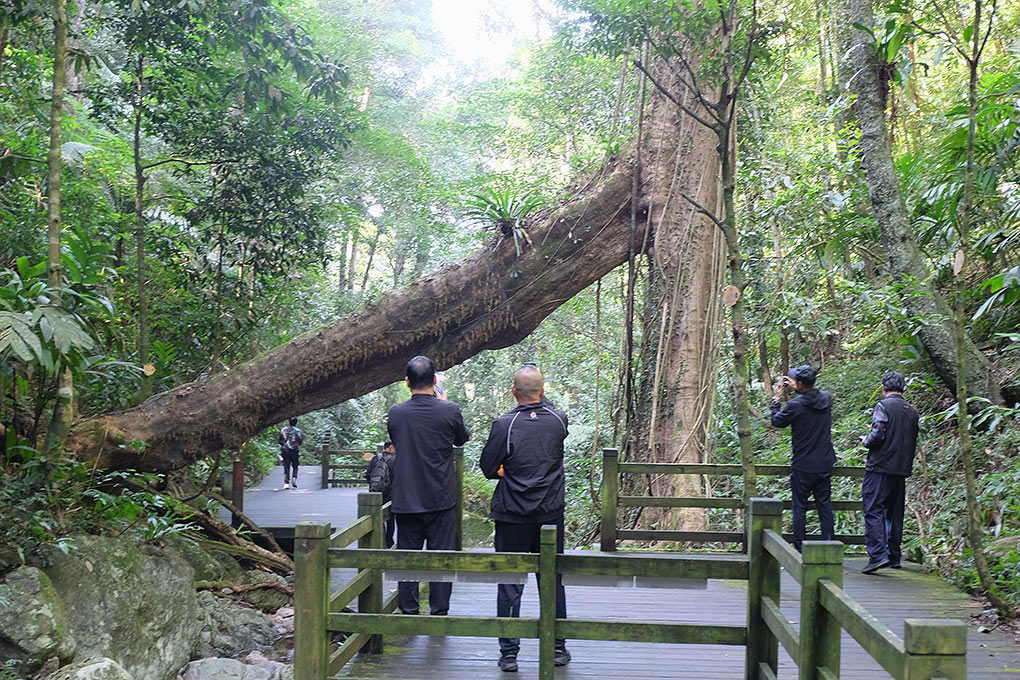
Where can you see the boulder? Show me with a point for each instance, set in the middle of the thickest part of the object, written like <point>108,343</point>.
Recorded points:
<point>33,621</point>
<point>207,566</point>
<point>259,660</point>
<point>92,669</point>
<point>267,599</point>
<point>225,669</point>
<point>132,603</point>
<point>227,628</point>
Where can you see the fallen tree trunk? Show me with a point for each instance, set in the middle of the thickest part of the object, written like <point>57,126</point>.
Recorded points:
<point>491,300</point>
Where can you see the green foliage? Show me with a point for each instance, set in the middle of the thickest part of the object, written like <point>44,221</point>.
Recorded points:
<point>505,208</point>
<point>45,499</point>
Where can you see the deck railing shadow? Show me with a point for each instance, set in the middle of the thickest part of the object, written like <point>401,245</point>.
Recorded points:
<point>612,501</point>
<point>931,649</point>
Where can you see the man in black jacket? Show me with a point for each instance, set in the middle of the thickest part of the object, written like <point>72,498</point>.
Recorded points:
<point>424,429</point>
<point>809,416</point>
<point>891,445</point>
<point>525,453</point>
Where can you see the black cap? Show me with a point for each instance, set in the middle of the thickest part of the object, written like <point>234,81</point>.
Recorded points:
<point>805,374</point>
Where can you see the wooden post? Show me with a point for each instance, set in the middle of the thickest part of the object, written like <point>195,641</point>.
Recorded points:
<point>324,456</point>
<point>458,473</point>
<point>819,631</point>
<point>311,598</point>
<point>371,600</point>
<point>237,492</point>
<point>934,648</point>
<point>610,494</point>
<point>547,603</point>
<point>762,581</point>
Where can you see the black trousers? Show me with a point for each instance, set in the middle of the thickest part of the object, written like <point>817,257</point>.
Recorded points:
<point>513,537</point>
<point>883,498</point>
<point>439,529</point>
<point>290,462</point>
<point>803,485</point>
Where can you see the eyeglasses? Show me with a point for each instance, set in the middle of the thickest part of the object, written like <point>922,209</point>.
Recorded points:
<point>529,363</point>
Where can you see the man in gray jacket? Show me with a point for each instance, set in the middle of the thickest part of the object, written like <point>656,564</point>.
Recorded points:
<point>525,453</point>
<point>891,444</point>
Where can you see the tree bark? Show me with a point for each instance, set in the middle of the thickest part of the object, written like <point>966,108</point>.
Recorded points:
<point>491,300</point>
<point>905,260</point>
<point>142,312</point>
<point>975,530</point>
<point>63,406</point>
<point>681,160</point>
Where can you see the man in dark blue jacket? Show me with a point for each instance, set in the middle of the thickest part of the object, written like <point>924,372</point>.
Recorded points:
<point>424,430</point>
<point>891,445</point>
<point>809,416</point>
<point>525,453</point>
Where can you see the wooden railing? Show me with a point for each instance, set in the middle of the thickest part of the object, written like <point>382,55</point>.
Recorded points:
<point>349,472</point>
<point>930,649</point>
<point>612,468</point>
<point>357,470</point>
<point>317,612</point>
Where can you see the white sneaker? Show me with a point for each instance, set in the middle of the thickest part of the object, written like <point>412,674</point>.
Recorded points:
<point>286,485</point>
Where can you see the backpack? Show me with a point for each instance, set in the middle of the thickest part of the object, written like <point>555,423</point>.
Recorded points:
<point>290,438</point>
<point>380,473</point>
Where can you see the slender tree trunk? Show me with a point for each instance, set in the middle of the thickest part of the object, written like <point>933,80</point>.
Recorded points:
<point>975,531</point>
<point>371,256</point>
<point>4,37</point>
<point>63,407</point>
<point>142,293</point>
<point>352,261</point>
<point>820,35</point>
<point>905,260</point>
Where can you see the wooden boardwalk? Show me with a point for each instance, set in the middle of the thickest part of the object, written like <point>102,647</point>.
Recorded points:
<point>891,596</point>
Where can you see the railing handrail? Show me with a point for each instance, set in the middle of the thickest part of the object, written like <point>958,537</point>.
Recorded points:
<point>726,469</point>
<point>930,649</point>
<point>611,499</point>
<point>323,550</point>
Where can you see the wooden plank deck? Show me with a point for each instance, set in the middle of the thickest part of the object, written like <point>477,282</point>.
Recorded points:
<point>891,596</point>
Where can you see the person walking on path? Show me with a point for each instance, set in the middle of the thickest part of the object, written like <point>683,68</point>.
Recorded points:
<point>424,429</point>
<point>380,478</point>
<point>525,453</point>
<point>809,415</point>
<point>290,442</point>
<point>891,445</point>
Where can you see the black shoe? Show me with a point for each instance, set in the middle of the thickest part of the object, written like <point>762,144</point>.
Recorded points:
<point>293,484</point>
<point>875,565</point>
<point>508,663</point>
<point>895,565</point>
<point>561,657</point>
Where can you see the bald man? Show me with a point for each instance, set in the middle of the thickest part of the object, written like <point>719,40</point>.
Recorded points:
<point>525,453</point>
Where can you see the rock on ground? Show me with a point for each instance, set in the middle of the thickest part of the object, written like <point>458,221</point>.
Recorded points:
<point>33,620</point>
<point>225,669</point>
<point>135,604</point>
<point>266,599</point>
<point>92,669</point>
<point>227,628</point>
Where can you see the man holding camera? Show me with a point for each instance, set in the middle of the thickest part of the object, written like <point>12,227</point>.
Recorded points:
<point>891,444</point>
<point>424,429</point>
<point>809,415</point>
